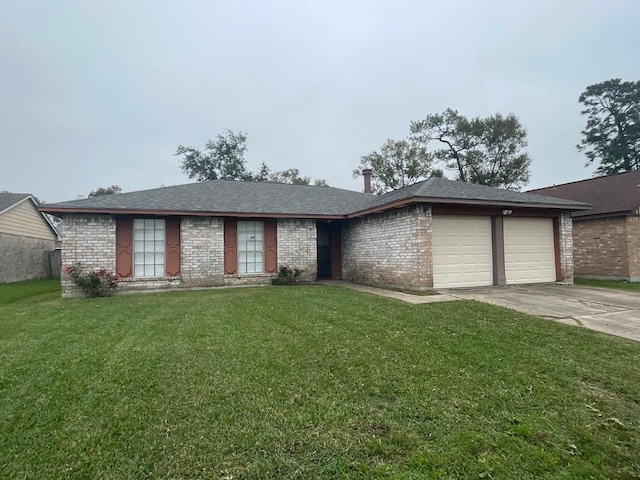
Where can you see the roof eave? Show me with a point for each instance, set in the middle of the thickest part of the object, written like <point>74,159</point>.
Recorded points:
<point>123,211</point>
<point>461,201</point>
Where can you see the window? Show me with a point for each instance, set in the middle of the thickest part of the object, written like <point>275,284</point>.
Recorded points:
<point>148,248</point>
<point>250,247</point>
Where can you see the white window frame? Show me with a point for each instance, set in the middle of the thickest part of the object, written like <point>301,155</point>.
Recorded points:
<point>250,247</point>
<point>149,247</point>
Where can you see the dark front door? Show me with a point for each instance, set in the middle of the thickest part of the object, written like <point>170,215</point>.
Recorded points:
<point>324,251</point>
<point>329,250</point>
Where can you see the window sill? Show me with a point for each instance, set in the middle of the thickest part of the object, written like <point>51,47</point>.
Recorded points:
<point>250,275</point>
<point>148,279</point>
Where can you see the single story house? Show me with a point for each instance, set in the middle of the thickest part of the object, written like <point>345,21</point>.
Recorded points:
<point>26,236</point>
<point>434,234</point>
<point>606,238</point>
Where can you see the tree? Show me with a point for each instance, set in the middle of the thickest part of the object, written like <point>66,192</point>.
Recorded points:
<point>488,151</point>
<point>112,190</point>
<point>223,158</point>
<point>398,163</point>
<point>612,134</point>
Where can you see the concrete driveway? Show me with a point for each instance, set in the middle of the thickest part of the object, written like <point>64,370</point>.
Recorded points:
<point>616,312</point>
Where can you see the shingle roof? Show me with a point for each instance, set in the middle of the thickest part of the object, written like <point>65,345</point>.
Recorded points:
<point>228,196</point>
<point>443,190</point>
<point>231,196</point>
<point>613,194</point>
<point>9,199</point>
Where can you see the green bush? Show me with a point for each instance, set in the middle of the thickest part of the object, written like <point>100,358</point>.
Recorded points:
<point>97,283</point>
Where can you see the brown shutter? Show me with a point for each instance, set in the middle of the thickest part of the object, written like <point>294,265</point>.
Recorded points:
<point>173,246</point>
<point>230,246</point>
<point>124,246</point>
<point>270,246</point>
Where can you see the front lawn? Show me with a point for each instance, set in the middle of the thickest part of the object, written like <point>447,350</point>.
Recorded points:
<point>11,292</point>
<point>309,382</point>
<point>617,284</point>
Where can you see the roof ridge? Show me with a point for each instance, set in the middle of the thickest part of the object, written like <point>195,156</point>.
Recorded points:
<point>585,180</point>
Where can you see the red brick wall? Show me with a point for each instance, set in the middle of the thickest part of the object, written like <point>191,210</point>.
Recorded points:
<point>600,247</point>
<point>633,247</point>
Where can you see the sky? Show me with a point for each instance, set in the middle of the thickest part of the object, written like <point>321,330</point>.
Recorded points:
<point>96,93</point>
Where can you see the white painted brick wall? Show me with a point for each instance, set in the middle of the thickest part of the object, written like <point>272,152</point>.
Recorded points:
<point>89,239</point>
<point>391,248</point>
<point>298,246</point>
<point>202,256</point>
<point>566,247</point>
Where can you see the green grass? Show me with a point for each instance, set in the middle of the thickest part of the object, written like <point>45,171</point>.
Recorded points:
<point>11,292</point>
<point>617,284</point>
<point>309,382</point>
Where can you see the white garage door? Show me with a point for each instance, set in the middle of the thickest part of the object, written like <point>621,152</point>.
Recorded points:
<point>528,250</point>
<point>462,254</point>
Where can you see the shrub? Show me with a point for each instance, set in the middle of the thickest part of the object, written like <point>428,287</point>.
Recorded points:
<point>287,276</point>
<point>97,283</point>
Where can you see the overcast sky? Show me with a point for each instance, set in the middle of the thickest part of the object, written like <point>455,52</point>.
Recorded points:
<point>100,93</point>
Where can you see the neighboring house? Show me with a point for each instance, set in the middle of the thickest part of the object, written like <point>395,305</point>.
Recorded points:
<point>606,239</point>
<point>436,233</point>
<point>26,236</point>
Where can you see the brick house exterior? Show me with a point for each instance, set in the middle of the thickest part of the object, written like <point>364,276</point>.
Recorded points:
<point>229,233</point>
<point>26,238</point>
<point>606,238</point>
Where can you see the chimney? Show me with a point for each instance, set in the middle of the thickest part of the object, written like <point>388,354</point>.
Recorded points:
<point>366,173</point>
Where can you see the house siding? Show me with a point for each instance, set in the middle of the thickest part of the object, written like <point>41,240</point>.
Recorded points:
<point>633,247</point>
<point>390,249</point>
<point>565,232</point>
<point>605,248</point>
<point>298,246</point>
<point>24,220</point>
<point>202,240</point>
<point>23,257</point>
<point>89,239</point>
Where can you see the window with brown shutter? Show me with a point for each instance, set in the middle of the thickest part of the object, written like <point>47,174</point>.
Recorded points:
<point>151,250</point>
<point>240,249</point>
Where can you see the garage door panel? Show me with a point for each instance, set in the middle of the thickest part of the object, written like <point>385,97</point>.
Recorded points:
<point>529,250</point>
<point>462,251</point>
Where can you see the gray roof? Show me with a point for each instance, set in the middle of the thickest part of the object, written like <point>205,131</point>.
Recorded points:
<point>442,190</point>
<point>229,196</point>
<point>9,199</point>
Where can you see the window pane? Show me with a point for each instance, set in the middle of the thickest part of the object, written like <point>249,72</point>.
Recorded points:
<point>138,235</point>
<point>159,224</point>
<point>138,223</point>
<point>149,224</point>
<point>149,270</point>
<point>242,267</point>
<point>159,260</point>
<point>148,259</point>
<point>259,259</point>
<point>138,259</point>
<point>159,235</point>
<point>138,247</point>
<point>242,257</point>
<point>242,226</point>
<point>139,271</point>
<point>148,247</point>
<point>242,237</point>
<point>159,247</point>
